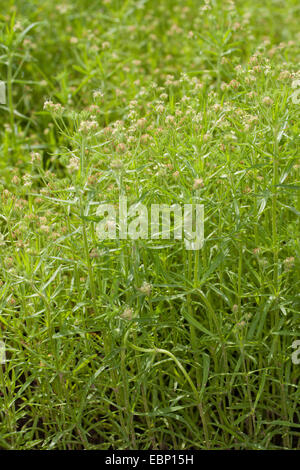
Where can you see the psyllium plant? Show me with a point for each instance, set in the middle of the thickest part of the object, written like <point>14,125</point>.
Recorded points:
<point>117,337</point>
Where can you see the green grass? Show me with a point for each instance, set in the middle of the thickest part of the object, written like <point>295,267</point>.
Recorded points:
<point>194,104</point>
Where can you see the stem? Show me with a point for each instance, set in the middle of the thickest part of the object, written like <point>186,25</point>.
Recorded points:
<point>180,366</point>
<point>274,210</point>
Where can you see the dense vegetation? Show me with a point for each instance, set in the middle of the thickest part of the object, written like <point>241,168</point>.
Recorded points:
<point>143,344</point>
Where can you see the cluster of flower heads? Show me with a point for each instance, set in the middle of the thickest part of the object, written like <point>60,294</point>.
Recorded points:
<point>55,108</point>
<point>87,127</point>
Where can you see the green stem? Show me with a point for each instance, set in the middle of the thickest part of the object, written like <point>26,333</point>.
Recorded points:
<point>184,372</point>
